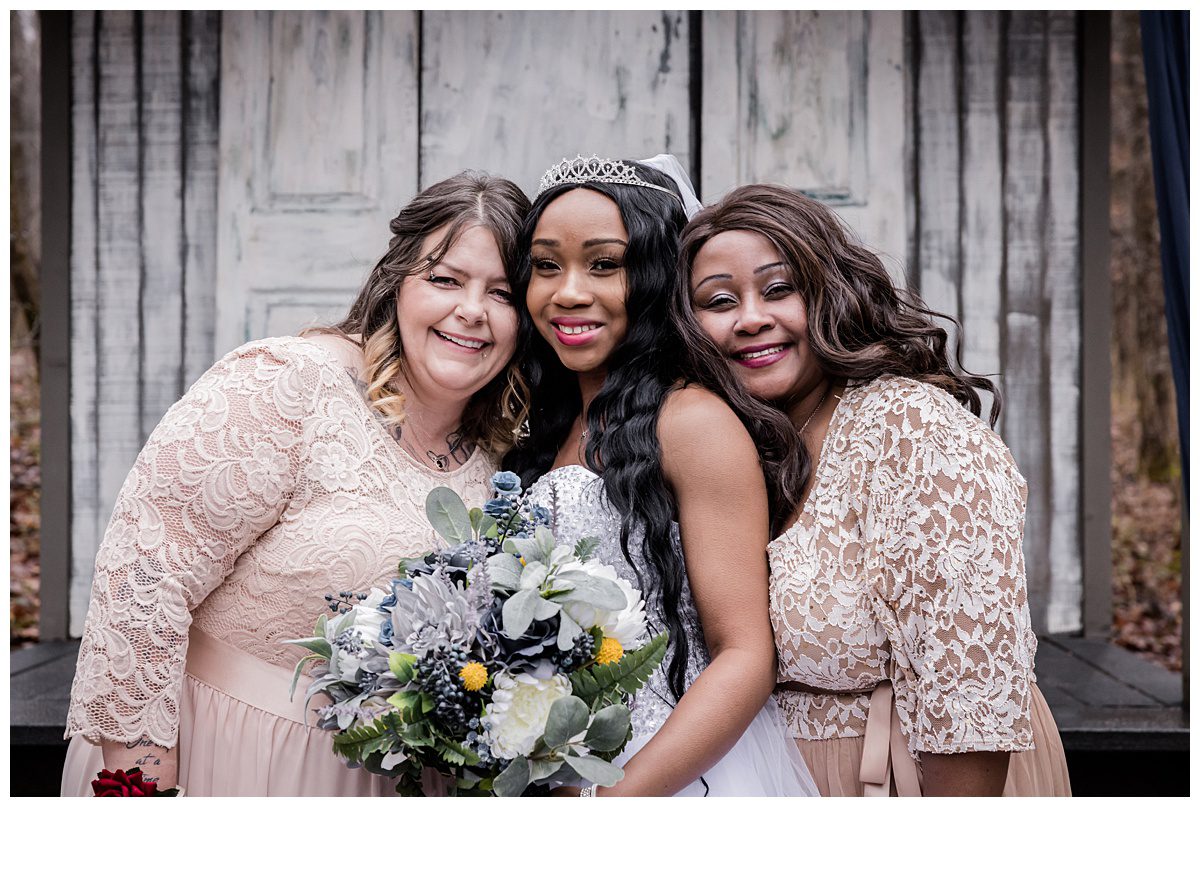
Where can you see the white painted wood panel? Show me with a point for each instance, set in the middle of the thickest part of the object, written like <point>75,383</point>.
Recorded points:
<point>303,211</point>
<point>940,175</point>
<point>1065,607</point>
<point>85,442</point>
<point>1024,356</point>
<point>119,340</point>
<point>814,100</point>
<point>514,92</point>
<point>982,186</point>
<point>200,127</point>
<point>160,307</point>
<point>142,257</point>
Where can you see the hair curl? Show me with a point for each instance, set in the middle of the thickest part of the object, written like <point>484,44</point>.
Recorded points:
<point>860,324</point>
<point>495,413</point>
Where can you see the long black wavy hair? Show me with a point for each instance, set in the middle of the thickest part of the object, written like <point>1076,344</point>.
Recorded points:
<point>622,420</point>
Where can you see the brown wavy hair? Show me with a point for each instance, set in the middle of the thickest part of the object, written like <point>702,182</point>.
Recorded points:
<point>860,324</point>
<point>496,412</point>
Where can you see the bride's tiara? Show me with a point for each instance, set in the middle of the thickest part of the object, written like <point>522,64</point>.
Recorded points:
<point>595,169</point>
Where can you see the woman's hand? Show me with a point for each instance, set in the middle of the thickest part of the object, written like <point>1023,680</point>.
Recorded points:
<point>158,764</point>
<point>969,774</point>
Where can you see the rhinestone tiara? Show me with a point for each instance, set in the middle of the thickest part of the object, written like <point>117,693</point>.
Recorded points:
<point>595,169</point>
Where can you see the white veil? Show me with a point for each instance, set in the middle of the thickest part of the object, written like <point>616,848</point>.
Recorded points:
<point>669,164</point>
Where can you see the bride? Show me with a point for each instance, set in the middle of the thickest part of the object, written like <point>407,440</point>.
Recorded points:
<point>662,471</point>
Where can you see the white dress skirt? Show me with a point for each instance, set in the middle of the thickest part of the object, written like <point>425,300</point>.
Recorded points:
<point>764,762</point>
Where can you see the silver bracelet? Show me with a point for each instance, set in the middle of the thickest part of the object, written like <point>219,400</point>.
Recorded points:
<point>588,791</point>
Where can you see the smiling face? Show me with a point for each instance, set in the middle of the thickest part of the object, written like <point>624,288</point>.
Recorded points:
<point>744,297</point>
<point>458,326</point>
<point>578,287</point>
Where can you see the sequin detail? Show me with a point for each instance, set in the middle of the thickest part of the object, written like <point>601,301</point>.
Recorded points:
<point>578,507</point>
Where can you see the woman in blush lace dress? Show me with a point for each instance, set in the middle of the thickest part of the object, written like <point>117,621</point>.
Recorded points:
<point>898,588</point>
<point>623,446</point>
<point>294,471</point>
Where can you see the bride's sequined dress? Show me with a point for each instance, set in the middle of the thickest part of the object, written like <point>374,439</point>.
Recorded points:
<point>763,762</point>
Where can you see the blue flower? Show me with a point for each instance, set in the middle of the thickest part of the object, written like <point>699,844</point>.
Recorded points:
<point>498,508</point>
<point>506,483</point>
<point>541,515</point>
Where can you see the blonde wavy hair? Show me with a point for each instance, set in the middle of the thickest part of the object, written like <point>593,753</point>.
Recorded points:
<point>495,413</point>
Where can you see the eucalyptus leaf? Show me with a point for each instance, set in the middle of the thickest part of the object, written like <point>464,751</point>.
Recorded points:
<point>448,515</point>
<point>487,526</point>
<point>608,729</point>
<point>543,768</point>
<point>513,780</point>
<point>568,716</point>
<point>518,612</point>
<point>476,517</point>
<point>595,770</point>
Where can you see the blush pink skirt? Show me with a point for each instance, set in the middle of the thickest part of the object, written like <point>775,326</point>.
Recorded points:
<point>239,735</point>
<point>835,763</point>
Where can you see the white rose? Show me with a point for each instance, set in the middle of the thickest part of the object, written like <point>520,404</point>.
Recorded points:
<point>516,717</point>
<point>368,618</point>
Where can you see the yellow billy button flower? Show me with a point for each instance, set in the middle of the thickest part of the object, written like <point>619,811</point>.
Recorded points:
<point>473,675</point>
<point>610,651</point>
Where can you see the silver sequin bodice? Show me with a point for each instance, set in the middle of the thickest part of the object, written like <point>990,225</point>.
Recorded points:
<point>578,507</point>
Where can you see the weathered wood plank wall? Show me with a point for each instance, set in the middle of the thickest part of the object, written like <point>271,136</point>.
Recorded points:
<point>948,140</point>
<point>142,258</point>
<point>996,244</point>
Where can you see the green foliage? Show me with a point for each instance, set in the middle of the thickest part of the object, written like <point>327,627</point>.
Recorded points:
<point>448,515</point>
<point>595,770</point>
<point>402,665</point>
<point>319,646</point>
<point>568,716</point>
<point>356,743</point>
<point>609,729</point>
<point>513,780</point>
<point>601,684</point>
<point>586,547</point>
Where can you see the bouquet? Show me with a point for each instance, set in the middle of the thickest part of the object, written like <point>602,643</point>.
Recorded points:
<point>504,661</point>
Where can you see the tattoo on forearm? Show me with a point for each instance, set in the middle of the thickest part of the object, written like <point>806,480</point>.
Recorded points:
<point>151,758</point>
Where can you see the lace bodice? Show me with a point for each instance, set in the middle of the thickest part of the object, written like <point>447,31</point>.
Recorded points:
<point>270,484</point>
<point>578,507</point>
<point>906,564</point>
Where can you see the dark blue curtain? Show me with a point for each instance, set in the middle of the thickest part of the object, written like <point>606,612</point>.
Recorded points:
<point>1165,50</point>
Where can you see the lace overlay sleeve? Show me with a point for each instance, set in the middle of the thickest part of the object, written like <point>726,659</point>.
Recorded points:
<point>215,474</point>
<point>946,518</point>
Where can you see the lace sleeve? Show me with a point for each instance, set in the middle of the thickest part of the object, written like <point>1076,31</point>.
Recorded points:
<point>215,474</point>
<point>947,516</point>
